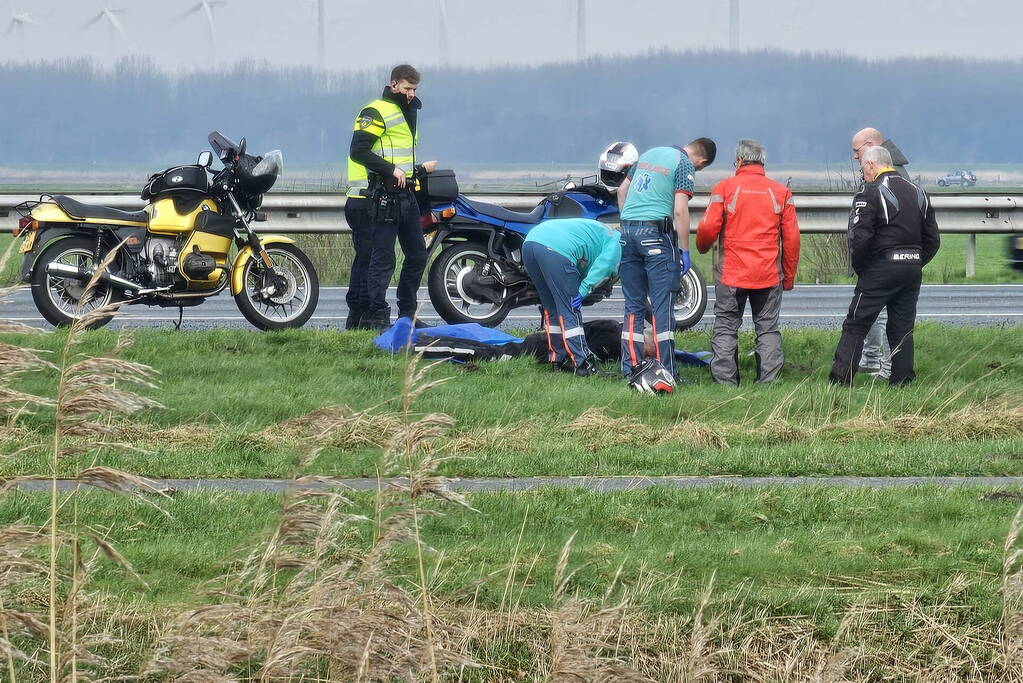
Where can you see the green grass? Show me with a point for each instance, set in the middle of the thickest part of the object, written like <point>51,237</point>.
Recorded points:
<point>792,551</point>
<point>235,383</point>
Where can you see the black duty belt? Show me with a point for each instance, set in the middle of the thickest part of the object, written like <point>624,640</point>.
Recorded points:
<point>909,255</point>
<point>664,224</point>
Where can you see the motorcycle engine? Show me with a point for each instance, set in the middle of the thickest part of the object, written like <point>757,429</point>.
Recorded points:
<point>162,253</point>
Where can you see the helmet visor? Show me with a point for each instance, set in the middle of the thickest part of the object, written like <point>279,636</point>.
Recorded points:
<point>271,165</point>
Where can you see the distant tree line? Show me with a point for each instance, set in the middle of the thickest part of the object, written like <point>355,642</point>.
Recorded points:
<point>803,107</point>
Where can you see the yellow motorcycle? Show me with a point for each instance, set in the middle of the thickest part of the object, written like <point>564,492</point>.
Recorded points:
<point>176,251</point>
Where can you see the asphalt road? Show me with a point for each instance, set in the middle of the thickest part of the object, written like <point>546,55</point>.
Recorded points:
<point>596,484</point>
<point>819,306</point>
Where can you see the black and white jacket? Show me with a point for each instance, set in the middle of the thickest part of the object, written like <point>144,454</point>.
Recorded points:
<point>888,214</point>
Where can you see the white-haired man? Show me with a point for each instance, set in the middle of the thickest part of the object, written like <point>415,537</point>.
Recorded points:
<point>875,359</point>
<point>893,235</point>
<point>752,221</point>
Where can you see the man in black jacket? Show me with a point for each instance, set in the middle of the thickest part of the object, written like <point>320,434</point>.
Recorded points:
<point>893,235</point>
<point>875,359</point>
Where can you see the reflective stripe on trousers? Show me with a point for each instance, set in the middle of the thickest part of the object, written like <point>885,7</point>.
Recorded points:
<point>649,277</point>
<point>557,280</point>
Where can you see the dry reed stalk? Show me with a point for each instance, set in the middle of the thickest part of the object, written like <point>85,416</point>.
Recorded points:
<point>16,361</point>
<point>1012,591</point>
<point>699,663</point>
<point>584,641</point>
<point>10,326</point>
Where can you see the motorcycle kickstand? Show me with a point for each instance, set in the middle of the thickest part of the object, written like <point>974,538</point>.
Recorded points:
<point>181,315</point>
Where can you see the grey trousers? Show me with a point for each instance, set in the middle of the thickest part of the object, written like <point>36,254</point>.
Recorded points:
<point>729,305</point>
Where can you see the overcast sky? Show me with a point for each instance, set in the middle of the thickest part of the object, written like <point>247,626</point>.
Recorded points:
<point>483,32</point>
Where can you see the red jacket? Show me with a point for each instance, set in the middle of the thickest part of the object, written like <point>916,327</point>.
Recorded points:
<point>752,218</point>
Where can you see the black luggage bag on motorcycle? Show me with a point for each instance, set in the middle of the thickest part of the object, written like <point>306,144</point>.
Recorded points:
<point>440,187</point>
<point>190,179</point>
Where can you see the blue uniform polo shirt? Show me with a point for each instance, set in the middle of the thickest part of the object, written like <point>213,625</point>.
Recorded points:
<point>660,174</point>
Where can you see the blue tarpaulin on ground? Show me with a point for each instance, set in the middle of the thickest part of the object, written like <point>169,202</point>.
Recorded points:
<point>402,334</point>
<point>700,359</point>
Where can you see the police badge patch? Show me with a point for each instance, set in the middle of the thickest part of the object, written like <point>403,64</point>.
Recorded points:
<point>364,122</point>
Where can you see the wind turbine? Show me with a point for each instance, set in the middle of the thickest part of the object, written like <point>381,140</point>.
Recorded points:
<point>206,8</point>
<point>18,22</point>
<point>733,25</point>
<point>442,43</point>
<point>580,30</point>
<point>321,34</point>
<point>110,15</point>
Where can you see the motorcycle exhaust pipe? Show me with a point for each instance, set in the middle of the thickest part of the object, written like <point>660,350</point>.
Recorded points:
<point>64,270</point>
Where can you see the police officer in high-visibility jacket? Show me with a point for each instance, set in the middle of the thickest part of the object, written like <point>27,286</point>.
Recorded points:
<point>381,207</point>
<point>566,258</point>
<point>654,203</point>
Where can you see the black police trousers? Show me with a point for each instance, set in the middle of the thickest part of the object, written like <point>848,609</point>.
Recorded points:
<point>884,283</point>
<point>357,219</point>
<point>379,239</point>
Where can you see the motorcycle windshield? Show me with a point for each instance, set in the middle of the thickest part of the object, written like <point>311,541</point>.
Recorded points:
<point>222,145</point>
<point>272,164</point>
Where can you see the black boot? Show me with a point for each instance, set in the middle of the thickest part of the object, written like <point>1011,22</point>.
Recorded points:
<point>588,368</point>
<point>378,319</point>
<point>354,320</point>
<point>416,322</point>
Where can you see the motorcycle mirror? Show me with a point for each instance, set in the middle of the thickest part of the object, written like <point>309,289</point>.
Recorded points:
<point>241,150</point>
<point>570,185</point>
<point>205,159</point>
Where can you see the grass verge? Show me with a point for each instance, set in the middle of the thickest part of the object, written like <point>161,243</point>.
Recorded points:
<point>232,398</point>
<point>788,565</point>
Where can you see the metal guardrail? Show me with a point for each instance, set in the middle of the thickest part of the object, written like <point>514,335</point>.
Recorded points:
<point>304,213</point>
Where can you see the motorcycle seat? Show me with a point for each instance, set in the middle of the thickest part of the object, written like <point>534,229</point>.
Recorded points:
<point>81,212</point>
<point>502,214</point>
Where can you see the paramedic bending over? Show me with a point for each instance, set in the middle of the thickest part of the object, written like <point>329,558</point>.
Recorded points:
<point>566,258</point>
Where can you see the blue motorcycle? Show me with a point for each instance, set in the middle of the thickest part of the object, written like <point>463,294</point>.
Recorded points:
<point>478,275</point>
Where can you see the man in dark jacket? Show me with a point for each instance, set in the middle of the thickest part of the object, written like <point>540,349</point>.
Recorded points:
<point>875,360</point>
<point>893,235</point>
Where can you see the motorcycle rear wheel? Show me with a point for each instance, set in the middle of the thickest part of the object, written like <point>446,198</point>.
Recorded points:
<point>61,300</point>
<point>285,309</point>
<point>691,300</point>
<point>446,285</point>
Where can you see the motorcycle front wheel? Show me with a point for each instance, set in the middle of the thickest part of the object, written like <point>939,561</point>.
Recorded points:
<point>62,300</point>
<point>691,300</point>
<point>449,292</point>
<point>295,289</point>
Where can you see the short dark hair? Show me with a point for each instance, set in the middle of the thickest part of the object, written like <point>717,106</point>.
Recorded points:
<point>706,147</point>
<point>405,72</point>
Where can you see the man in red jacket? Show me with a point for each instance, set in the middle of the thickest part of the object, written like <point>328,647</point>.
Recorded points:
<point>752,221</point>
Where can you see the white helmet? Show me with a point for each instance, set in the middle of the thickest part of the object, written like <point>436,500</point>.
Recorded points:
<point>615,163</point>
<point>650,377</point>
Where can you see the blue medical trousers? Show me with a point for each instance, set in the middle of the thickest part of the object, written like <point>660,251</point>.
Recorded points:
<point>557,280</point>
<point>649,274</point>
